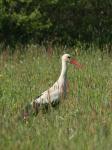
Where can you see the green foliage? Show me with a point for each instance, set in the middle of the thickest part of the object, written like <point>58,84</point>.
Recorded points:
<point>62,21</point>
<point>21,21</point>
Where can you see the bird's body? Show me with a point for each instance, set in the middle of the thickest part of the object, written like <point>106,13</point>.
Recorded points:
<point>58,90</point>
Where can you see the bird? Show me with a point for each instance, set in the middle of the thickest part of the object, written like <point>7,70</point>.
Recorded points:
<point>58,90</point>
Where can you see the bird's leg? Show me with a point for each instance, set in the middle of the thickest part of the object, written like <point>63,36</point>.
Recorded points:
<point>36,107</point>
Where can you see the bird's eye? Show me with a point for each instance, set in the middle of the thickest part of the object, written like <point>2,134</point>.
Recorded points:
<point>69,57</point>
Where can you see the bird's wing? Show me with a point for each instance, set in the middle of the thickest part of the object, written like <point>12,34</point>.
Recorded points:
<point>49,96</point>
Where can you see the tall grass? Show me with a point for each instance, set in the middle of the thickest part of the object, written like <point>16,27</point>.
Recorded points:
<point>83,121</point>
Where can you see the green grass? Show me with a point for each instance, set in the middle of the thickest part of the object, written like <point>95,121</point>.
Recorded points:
<point>83,121</point>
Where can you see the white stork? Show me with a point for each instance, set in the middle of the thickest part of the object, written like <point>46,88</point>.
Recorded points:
<point>54,94</point>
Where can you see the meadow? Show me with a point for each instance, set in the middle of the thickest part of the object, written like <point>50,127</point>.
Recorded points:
<point>83,121</point>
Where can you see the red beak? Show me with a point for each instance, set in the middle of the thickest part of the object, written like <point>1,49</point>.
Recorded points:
<point>75,62</point>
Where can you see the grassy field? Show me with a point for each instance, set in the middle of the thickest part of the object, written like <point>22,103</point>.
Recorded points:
<point>83,120</point>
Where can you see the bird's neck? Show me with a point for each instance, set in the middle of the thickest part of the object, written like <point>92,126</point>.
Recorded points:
<point>63,70</point>
<point>63,77</point>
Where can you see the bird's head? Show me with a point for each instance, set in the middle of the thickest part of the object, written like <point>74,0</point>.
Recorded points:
<point>69,59</point>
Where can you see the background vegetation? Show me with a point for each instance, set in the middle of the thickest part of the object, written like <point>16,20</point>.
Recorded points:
<point>83,121</point>
<point>56,21</point>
